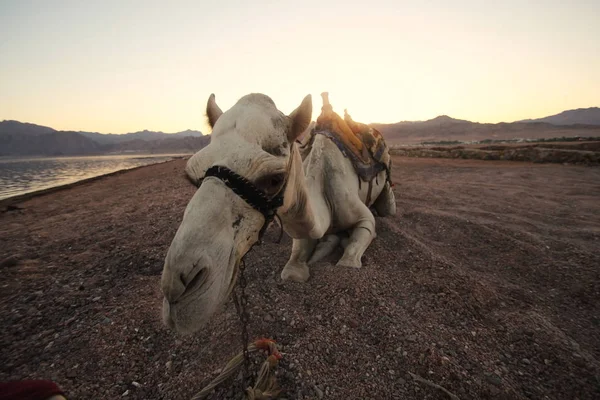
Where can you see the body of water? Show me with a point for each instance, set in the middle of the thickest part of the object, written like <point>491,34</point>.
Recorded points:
<point>24,175</point>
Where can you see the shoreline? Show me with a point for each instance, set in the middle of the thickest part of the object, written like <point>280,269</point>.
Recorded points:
<point>5,204</point>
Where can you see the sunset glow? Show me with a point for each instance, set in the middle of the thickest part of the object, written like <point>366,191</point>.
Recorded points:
<point>126,66</point>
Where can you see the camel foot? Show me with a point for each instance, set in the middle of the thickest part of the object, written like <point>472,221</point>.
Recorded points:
<point>350,262</point>
<point>296,273</point>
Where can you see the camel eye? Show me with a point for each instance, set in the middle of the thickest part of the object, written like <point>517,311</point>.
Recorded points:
<point>270,184</point>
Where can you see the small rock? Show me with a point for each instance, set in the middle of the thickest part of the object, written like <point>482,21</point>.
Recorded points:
<point>580,362</point>
<point>311,347</point>
<point>411,338</point>
<point>97,298</point>
<point>547,362</point>
<point>319,317</point>
<point>343,329</point>
<point>392,372</point>
<point>9,261</point>
<point>136,384</point>
<point>268,318</point>
<point>125,393</point>
<point>169,364</point>
<point>318,392</point>
<point>526,361</point>
<point>342,302</point>
<point>494,391</point>
<point>401,381</point>
<point>404,353</point>
<point>494,379</point>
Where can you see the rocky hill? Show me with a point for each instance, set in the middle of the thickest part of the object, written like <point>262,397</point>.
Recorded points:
<point>583,116</point>
<point>447,129</point>
<point>24,139</point>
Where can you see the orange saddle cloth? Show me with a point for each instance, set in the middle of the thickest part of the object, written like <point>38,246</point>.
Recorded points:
<point>362,144</point>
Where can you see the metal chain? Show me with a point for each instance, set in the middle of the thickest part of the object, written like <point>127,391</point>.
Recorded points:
<point>241,304</point>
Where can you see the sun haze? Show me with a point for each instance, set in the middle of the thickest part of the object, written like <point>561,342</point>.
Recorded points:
<point>121,66</point>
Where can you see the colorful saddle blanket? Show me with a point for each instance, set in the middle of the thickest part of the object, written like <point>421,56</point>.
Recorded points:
<point>363,145</point>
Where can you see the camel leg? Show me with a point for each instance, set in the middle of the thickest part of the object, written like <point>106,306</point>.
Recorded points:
<point>362,235</point>
<point>324,248</point>
<point>296,268</point>
<point>345,242</point>
<point>385,204</point>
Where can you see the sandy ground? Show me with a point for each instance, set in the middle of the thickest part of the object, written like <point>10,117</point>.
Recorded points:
<point>486,282</point>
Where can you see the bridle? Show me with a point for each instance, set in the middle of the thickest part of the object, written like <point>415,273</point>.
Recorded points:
<point>251,194</point>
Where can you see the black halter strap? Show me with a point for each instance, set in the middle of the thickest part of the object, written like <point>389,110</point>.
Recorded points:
<point>252,195</point>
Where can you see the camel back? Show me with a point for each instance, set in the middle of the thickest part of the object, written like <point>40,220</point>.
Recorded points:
<point>362,144</point>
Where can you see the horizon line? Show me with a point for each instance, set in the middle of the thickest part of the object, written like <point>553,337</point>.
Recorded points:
<point>369,123</point>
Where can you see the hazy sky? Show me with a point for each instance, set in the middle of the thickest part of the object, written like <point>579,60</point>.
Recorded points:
<point>121,66</point>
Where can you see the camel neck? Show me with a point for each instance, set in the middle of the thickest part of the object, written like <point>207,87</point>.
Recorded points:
<point>297,213</point>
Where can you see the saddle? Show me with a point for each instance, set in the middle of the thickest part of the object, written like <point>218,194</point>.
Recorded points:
<point>362,144</point>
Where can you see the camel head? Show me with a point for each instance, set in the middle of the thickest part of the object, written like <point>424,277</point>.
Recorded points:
<point>252,140</point>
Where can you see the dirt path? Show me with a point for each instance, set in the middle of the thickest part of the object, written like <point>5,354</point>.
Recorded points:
<point>486,282</point>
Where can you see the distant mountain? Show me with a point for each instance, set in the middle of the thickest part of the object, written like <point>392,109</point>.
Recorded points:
<point>23,128</point>
<point>583,116</point>
<point>444,128</point>
<point>23,139</point>
<point>50,143</point>
<point>111,138</point>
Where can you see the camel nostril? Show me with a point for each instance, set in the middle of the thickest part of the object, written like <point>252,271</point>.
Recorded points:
<point>180,283</point>
<point>196,280</point>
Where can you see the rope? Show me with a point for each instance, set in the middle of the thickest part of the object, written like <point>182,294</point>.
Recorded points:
<point>266,385</point>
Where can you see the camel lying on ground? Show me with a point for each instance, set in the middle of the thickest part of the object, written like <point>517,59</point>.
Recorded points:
<point>251,170</point>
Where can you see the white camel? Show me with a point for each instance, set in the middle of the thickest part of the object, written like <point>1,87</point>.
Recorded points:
<point>321,197</point>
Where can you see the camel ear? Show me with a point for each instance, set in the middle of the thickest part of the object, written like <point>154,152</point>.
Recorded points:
<point>213,112</point>
<point>300,119</point>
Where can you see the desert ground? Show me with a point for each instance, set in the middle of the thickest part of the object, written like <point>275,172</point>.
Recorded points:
<point>486,282</point>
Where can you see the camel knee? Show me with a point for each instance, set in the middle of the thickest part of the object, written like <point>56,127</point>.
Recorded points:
<point>367,224</point>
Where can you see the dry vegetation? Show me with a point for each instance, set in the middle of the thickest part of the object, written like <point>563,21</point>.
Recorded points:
<point>486,283</point>
<point>584,153</point>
